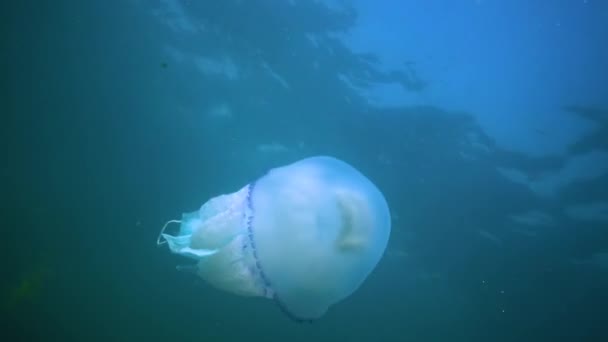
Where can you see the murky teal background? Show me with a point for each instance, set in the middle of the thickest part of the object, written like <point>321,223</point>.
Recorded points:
<point>105,136</point>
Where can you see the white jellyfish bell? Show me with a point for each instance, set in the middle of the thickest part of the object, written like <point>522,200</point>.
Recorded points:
<point>305,235</point>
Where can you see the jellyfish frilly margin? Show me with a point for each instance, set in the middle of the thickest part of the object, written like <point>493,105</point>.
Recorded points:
<point>160,240</point>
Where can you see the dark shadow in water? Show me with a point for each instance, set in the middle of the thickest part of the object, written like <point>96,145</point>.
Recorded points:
<point>598,138</point>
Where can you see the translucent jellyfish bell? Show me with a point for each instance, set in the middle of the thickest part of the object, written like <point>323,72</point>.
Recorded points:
<point>305,235</point>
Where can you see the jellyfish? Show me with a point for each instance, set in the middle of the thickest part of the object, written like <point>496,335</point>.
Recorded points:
<point>305,235</point>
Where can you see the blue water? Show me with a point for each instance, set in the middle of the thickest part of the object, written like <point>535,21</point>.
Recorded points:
<point>483,122</point>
